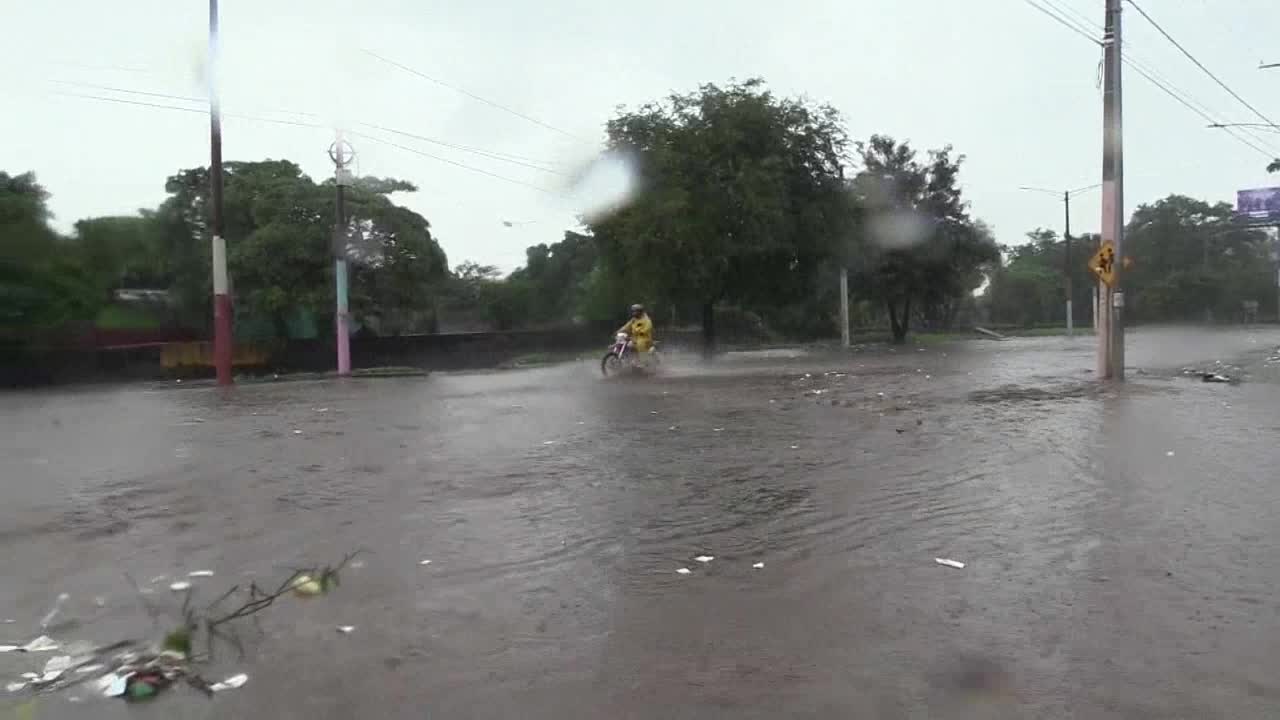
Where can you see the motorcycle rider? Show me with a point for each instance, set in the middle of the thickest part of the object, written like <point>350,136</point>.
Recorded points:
<point>640,329</point>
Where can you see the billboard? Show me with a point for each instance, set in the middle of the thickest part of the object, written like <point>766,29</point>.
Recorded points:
<point>1259,203</point>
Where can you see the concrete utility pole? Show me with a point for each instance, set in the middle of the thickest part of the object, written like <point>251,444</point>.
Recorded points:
<point>341,153</point>
<point>1066,236</point>
<point>221,299</point>
<point>844,307</point>
<point>1111,305</point>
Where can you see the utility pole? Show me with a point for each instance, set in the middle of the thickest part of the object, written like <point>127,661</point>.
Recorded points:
<point>844,307</point>
<point>1111,303</point>
<point>1066,236</point>
<point>221,299</point>
<point>341,153</point>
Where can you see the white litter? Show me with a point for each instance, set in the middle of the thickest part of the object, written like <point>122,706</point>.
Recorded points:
<point>44,643</point>
<point>297,432</point>
<point>357,564</point>
<point>200,573</point>
<point>30,676</point>
<point>795,447</point>
<point>88,669</point>
<point>74,699</point>
<point>705,558</point>
<point>950,563</point>
<point>684,571</point>
<point>880,394</point>
<point>758,566</point>
<point>100,601</point>
<point>549,442</point>
<point>53,669</point>
<point>653,412</point>
<point>8,648</point>
<point>14,687</point>
<point>717,429</point>
<point>114,685</point>
<point>322,409</point>
<point>180,586</point>
<point>8,621</point>
<point>1169,454</point>
<point>346,629</point>
<point>230,683</point>
<point>673,427</point>
<point>158,578</point>
<point>53,612</point>
<point>424,562</point>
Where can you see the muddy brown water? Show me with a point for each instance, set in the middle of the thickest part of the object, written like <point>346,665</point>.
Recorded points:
<point>1104,578</point>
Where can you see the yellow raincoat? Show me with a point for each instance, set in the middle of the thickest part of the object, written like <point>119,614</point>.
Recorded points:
<point>641,331</point>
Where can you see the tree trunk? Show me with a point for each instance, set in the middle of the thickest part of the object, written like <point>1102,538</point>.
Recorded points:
<point>708,330</point>
<point>898,324</point>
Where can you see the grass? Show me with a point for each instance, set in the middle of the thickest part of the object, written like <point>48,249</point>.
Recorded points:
<point>118,316</point>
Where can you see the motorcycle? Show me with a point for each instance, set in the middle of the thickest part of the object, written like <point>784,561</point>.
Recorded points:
<point>622,356</point>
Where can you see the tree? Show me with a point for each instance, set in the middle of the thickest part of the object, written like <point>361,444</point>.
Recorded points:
<point>121,251</point>
<point>739,191</point>
<point>555,276</point>
<point>919,244</point>
<point>43,286</point>
<point>280,238</point>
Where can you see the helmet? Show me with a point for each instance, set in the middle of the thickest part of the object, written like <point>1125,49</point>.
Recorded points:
<point>637,309</point>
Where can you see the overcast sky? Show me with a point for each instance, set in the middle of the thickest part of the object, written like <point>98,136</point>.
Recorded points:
<point>1007,86</point>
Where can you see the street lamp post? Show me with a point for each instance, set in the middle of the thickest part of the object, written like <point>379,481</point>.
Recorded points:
<point>1066,196</point>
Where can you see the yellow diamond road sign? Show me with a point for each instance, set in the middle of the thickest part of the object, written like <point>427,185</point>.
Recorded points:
<point>1103,263</point>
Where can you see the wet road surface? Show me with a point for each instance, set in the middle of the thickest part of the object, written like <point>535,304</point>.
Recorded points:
<point>1121,545</point>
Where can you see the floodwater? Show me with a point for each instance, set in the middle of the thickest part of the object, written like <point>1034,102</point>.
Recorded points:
<point>1121,544</point>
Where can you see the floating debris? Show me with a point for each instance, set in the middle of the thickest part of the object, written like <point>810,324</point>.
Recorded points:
<point>9,648</point>
<point>705,558</point>
<point>53,612</point>
<point>307,586</point>
<point>325,409</point>
<point>297,432</point>
<point>346,629</point>
<point>424,562</point>
<point>89,669</point>
<point>684,571</point>
<point>1169,454</point>
<point>795,447</point>
<point>548,442</point>
<point>950,563</point>
<point>357,564</point>
<point>14,687</point>
<point>758,566</point>
<point>231,683</point>
<point>1215,378</point>
<point>672,428</point>
<point>200,573</point>
<point>44,643</point>
<point>717,429</point>
<point>180,586</point>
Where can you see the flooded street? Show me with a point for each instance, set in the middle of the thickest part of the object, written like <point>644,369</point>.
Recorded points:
<point>1121,545</point>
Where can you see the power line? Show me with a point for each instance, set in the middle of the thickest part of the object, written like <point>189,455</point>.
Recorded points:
<point>1200,65</point>
<point>108,88</point>
<point>469,94</point>
<point>1065,22</point>
<point>1150,77</point>
<point>514,159</point>
<point>1197,111</point>
<point>455,163</point>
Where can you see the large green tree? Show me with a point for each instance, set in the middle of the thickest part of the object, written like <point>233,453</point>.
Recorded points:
<point>919,246</point>
<point>44,287</point>
<point>739,194</point>
<point>280,234</point>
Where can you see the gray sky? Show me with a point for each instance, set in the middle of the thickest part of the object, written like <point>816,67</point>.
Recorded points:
<point>1008,87</point>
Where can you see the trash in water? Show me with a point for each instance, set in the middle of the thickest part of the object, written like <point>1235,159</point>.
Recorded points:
<point>357,564</point>
<point>30,676</point>
<point>758,566</point>
<point>424,562</point>
<point>114,685</point>
<point>7,621</point>
<point>322,409</point>
<point>53,612</point>
<point>705,558</point>
<point>231,683</point>
<point>9,648</point>
<point>795,447</point>
<point>1214,378</point>
<point>717,429</point>
<point>99,601</point>
<point>684,571</point>
<point>88,669</point>
<point>200,573</point>
<point>1169,454</point>
<point>673,427</point>
<point>950,563</point>
<point>653,412</point>
<point>53,669</point>
<point>158,578</point>
<point>14,687</point>
<point>346,629</point>
<point>307,586</point>
<point>180,586</point>
<point>44,643</point>
<point>548,442</point>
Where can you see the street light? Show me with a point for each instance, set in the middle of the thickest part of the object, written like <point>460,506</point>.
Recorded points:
<point>1066,196</point>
